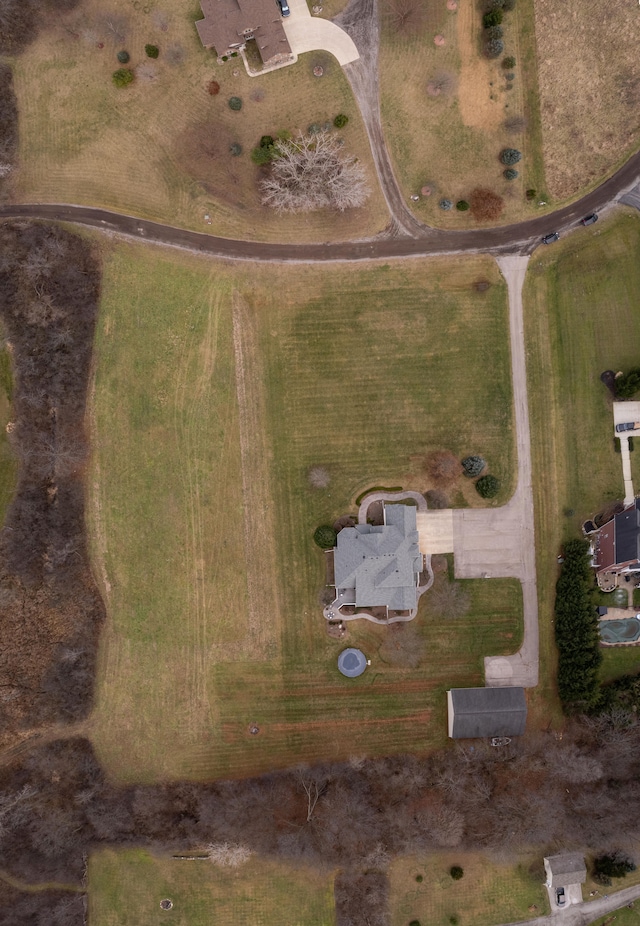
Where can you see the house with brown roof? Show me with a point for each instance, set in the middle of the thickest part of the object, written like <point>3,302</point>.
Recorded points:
<point>616,546</point>
<point>229,24</point>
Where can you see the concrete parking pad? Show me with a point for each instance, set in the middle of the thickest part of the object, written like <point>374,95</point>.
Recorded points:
<point>435,529</point>
<point>310,33</point>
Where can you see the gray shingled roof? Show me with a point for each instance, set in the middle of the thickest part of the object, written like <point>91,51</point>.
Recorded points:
<point>486,712</point>
<point>568,868</point>
<point>381,564</point>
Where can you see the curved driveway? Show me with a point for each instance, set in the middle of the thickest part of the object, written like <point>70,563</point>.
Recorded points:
<point>506,239</point>
<point>309,33</point>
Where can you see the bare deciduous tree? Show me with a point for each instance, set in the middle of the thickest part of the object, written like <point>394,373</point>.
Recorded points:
<point>448,599</point>
<point>319,477</point>
<point>443,467</point>
<point>228,855</point>
<point>405,17</point>
<point>311,172</point>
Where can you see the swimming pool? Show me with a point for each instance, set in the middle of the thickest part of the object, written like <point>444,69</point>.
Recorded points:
<point>624,631</point>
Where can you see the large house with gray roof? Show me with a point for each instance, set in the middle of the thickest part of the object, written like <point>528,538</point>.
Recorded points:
<point>379,566</point>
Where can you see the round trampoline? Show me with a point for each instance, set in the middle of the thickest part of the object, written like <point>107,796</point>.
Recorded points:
<point>352,662</point>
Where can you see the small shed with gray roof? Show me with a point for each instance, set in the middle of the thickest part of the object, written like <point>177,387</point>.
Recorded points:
<point>565,869</point>
<point>380,565</point>
<point>486,712</point>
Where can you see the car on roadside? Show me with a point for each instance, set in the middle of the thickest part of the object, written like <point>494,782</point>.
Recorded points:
<point>561,897</point>
<point>590,219</point>
<point>284,7</point>
<point>550,238</point>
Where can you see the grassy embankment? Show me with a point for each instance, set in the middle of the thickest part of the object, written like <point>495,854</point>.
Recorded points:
<point>160,148</point>
<point>202,512</point>
<point>581,318</point>
<point>452,141</point>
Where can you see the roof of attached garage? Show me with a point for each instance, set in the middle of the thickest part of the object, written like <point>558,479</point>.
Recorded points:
<point>487,712</point>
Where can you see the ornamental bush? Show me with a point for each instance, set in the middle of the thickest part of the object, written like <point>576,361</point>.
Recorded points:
<point>492,18</point>
<point>531,194</point>
<point>456,872</point>
<point>508,5</point>
<point>488,486</point>
<point>314,128</point>
<point>472,466</point>
<point>235,103</point>
<point>235,148</point>
<point>123,57</point>
<point>508,62</point>
<point>494,32</point>
<point>122,77</point>
<point>325,537</point>
<point>510,173</point>
<point>510,156</point>
<point>629,384</point>
<point>264,155</point>
<point>614,865</point>
<point>445,204</point>
<point>493,48</point>
<point>151,51</point>
<point>462,205</point>
<point>340,121</point>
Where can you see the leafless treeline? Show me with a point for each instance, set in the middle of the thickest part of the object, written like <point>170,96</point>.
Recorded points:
<point>20,21</point>
<point>8,122</point>
<point>50,610</point>
<point>580,791</point>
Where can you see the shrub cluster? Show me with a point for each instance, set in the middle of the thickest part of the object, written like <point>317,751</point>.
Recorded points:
<point>151,51</point>
<point>491,21</point>
<point>629,384</point>
<point>488,486</point>
<point>576,630</point>
<point>485,204</point>
<point>8,121</point>
<point>235,103</point>
<point>615,864</point>
<point>472,466</point>
<point>325,537</point>
<point>123,57</point>
<point>266,151</point>
<point>122,77</point>
<point>510,156</point>
<point>340,121</point>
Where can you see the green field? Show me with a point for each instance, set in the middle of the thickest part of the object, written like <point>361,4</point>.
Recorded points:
<point>488,893</point>
<point>125,889</point>
<point>581,307</point>
<point>215,392</point>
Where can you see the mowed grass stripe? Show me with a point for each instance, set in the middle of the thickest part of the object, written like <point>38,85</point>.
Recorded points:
<point>184,672</point>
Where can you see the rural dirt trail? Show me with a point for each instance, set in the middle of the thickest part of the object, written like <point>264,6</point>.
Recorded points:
<point>360,21</point>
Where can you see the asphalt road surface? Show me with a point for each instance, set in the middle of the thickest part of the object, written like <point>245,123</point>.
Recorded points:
<point>507,239</point>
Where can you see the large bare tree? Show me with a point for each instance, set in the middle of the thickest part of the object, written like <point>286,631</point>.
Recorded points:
<point>312,172</point>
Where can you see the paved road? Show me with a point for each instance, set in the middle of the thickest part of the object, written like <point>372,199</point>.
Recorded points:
<point>500,542</point>
<point>584,913</point>
<point>506,239</point>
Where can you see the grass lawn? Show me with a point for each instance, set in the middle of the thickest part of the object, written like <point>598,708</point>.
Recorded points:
<point>159,148</point>
<point>125,889</point>
<point>581,318</point>
<point>487,893</point>
<point>216,390</point>
<point>8,465</point>
<point>589,72</point>
<point>451,141</point>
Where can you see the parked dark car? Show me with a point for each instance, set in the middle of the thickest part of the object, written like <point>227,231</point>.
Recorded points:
<point>284,7</point>
<point>626,426</point>
<point>590,219</point>
<point>550,238</point>
<point>560,897</point>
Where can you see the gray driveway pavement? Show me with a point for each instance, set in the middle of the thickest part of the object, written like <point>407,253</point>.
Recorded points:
<point>585,913</point>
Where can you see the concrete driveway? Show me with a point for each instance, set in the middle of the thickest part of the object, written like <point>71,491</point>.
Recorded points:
<point>311,33</point>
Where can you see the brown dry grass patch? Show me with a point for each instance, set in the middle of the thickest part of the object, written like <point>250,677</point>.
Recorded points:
<point>160,147</point>
<point>589,74</point>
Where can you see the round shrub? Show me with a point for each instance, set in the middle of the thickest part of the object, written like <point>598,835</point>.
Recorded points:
<point>508,62</point>
<point>531,194</point>
<point>213,87</point>
<point>414,923</point>
<point>122,77</point>
<point>445,204</point>
<point>473,465</point>
<point>510,76</point>
<point>419,879</point>
<point>488,486</point>
<point>267,141</point>
<point>325,537</point>
<point>456,872</point>
<point>510,156</point>
<point>340,121</point>
<point>492,18</point>
<point>235,148</point>
<point>262,155</point>
<point>123,57</point>
<point>462,205</point>
<point>235,103</point>
<point>225,57</point>
<point>495,5</point>
<point>151,51</point>
<point>314,128</point>
<point>510,173</point>
<point>494,32</point>
<point>493,48</point>
<point>453,919</point>
<point>508,5</point>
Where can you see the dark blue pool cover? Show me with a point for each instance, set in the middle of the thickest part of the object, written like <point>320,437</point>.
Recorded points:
<point>352,662</point>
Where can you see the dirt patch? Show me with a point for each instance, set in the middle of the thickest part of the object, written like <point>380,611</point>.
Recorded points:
<point>589,76</point>
<point>477,108</point>
<point>205,153</point>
